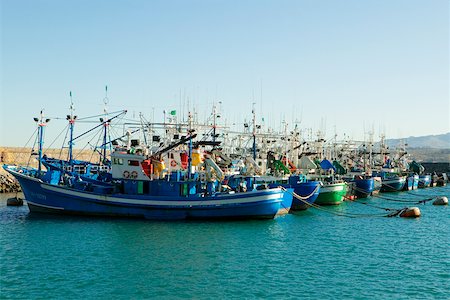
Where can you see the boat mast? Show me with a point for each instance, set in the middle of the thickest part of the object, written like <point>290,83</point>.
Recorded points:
<point>190,145</point>
<point>105,126</point>
<point>41,123</point>
<point>71,118</point>
<point>254,131</point>
<point>214,126</point>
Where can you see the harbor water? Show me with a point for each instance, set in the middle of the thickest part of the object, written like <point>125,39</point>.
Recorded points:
<point>308,255</point>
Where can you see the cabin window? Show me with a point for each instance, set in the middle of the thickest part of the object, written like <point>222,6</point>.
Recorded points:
<point>120,161</point>
<point>133,163</point>
<point>171,155</point>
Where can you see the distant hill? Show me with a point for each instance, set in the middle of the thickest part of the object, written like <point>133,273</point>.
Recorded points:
<point>441,141</point>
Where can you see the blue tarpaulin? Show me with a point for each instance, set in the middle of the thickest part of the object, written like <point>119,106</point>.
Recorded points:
<point>327,165</point>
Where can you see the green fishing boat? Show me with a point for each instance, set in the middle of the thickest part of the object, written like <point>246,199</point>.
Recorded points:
<point>332,193</point>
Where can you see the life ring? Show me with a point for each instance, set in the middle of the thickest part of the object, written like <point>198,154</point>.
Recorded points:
<point>134,174</point>
<point>173,163</point>
<point>126,174</point>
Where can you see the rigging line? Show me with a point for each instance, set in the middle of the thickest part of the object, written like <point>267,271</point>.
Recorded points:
<point>55,139</point>
<point>102,115</point>
<point>26,144</point>
<point>88,143</point>
<point>32,150</point>
<point>64,142</point>
<point>101,124</point>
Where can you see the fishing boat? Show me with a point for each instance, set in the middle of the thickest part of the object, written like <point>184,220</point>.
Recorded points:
<point>409,182</point>
<point>306,191</point>
<point>332,193</point>
<point>243,183</point>
<point>391,182</point>
<point>157,199</point>
<point>424,181</point>
<point>415,185</point>
<point>141,188</point>
<point>363,186</point>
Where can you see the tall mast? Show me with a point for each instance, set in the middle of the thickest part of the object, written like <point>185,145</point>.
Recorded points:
<point>105,125</point>
<point>214,125</point>
<point>41,123</point>
<point>71,118</point>
<point>190,145</point>
<point>254,131</point>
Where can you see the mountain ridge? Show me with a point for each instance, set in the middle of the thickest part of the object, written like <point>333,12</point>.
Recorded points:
<point>439,141</point>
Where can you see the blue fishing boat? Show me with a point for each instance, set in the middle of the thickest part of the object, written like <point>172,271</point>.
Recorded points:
<point>157,199</point>
<point>408,186</point>
<point>243,183</point>
<point>424,181</point>
<point>363,186</point>
<point>415,185</point>
<point>134,192</point>
<point>391,182</point>
<point>307,191</point>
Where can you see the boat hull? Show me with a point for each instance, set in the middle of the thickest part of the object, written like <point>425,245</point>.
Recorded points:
<point>363,187</point>
<point>408,186</point>
<point>310,190</point>
<point>393,184</point>
<point>332,194</point>
<point>47,198</point>
<point>424,181</point>
<point>415,185</point>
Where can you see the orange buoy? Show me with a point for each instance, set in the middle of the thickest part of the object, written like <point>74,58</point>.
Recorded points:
<point>410,212</point>
<point>441,201</point>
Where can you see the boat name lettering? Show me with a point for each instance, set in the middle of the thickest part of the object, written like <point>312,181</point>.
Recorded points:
<point>38,196</point>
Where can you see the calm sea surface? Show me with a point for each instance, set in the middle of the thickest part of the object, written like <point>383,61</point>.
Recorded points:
<point>310,255</point>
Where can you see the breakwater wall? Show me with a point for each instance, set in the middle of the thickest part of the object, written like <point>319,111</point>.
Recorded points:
<point>438,167</point>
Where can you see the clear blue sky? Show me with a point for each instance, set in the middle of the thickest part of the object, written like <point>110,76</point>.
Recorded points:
<point>350,64</point>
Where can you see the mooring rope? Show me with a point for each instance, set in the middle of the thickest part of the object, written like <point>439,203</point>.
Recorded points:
<point>395,200</point>
<point>348,215</point>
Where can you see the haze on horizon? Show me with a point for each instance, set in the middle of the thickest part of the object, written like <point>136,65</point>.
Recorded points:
<point>344,66</point>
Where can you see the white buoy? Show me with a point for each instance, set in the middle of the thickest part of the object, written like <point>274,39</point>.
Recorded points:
<point>441,201</point>
<point>410,212</point>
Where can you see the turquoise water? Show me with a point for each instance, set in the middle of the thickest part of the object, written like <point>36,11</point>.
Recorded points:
<point>310,255</point>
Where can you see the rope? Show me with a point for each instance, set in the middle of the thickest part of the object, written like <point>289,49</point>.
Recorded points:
<point>310,195</point>
<point>396,200</point>
<point>348,215</point>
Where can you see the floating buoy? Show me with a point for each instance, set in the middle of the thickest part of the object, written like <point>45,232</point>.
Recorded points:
<point>410,212</point>
<point>14,202</point>
<point>441,201</point>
